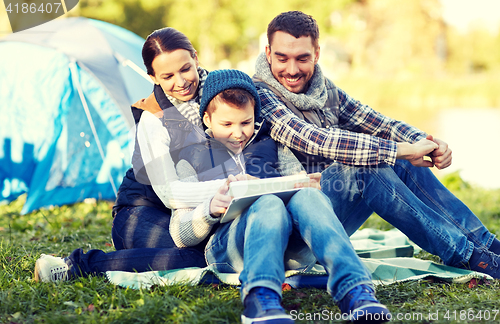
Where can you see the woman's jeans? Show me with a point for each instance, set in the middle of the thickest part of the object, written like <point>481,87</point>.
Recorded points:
<point>411,199</point>
<point>143,243</point>
<point>269,233</point>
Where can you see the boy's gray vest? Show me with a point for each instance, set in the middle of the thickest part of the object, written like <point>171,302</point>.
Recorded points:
<point>326,117</point>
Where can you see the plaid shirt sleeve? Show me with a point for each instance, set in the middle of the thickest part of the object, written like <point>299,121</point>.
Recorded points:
<point>363,136</point>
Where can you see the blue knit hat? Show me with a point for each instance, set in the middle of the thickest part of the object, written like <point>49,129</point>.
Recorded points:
<point>220,80</point>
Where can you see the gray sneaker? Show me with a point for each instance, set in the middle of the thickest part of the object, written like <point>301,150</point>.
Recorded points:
<point>49,268</point>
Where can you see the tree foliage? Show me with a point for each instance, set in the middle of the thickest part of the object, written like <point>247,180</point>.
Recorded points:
<point>385,37</point>
<point>219,29</point>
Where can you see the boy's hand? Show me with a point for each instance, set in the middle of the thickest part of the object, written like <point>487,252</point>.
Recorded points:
<point>239,177</point>
<point>220,201</point>
<point>314,181</point>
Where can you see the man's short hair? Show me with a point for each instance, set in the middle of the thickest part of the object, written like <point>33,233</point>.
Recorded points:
<point>295,23</point>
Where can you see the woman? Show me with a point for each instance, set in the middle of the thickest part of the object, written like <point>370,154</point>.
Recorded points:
<point>141,213</point>
<point>142,210</point>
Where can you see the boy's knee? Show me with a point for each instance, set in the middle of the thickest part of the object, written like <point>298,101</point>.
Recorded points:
<point>269,209</point>
<point>309,196</point>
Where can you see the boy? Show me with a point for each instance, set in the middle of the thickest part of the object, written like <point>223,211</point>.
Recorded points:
<point>269,237</point>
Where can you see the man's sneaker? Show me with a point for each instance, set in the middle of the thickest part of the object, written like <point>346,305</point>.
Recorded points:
<point>361,306</point>
<point>51,269</point>
<point>484,261</point>
<point>495,246</point>
<point>262,306</point>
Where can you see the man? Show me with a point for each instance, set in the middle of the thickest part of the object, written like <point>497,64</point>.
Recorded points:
<point>368,162</point>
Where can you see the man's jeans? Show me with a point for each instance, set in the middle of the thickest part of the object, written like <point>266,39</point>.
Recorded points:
<point>268,234</point>
<point>410,198</point>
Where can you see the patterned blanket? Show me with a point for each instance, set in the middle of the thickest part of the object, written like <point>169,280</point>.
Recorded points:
<point>387,254</point>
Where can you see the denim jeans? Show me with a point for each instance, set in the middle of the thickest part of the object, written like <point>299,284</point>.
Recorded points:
<point>141,227</point>
<point>410,198</point>
<point>143,243</point>
<point>268,232</point>
<point>97,262</point>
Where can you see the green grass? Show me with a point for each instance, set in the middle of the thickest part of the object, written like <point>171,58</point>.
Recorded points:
<point>94,300</point>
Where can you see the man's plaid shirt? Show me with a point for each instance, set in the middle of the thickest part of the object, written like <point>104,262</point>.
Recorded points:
<point>362,136</point>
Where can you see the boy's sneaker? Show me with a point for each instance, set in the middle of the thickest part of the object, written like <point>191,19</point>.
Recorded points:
<point>49,268</point>
<point>484,261</point>
<point>262,306</point>
<point>361,306</point>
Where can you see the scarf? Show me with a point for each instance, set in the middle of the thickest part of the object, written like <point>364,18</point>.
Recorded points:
<point>315,96</point>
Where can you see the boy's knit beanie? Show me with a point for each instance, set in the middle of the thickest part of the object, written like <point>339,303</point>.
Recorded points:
<point>220,80</point>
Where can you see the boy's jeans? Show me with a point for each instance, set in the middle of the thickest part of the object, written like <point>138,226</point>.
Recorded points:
<point>410,198</point>
<point>268,232</point>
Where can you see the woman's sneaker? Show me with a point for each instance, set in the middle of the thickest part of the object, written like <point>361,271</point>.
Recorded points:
<point>49,268</point>
<point>361,306</point>
<point>262,306</point>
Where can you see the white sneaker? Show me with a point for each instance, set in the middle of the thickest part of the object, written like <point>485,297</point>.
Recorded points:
<point>49,268</point>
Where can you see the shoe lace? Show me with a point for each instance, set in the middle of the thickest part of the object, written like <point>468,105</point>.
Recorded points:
<point>492,256</point>
<point>59,273</point>
<point>268,299</point>
<point>362,292</point>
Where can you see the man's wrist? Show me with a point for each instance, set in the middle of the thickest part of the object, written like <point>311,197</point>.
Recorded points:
<point>403,150</point>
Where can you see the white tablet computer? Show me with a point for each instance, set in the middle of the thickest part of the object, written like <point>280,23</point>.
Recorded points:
<point>245,192</point>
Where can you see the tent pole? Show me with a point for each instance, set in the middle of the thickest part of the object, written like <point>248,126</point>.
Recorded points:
<point>74,74</point>
<point>126,62</point>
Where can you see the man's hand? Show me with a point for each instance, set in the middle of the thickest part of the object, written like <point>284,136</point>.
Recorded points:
<point>441,157</point>
<point>414,153</point>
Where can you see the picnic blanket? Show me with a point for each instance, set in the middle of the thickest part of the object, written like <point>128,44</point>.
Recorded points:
<point>388,255</point>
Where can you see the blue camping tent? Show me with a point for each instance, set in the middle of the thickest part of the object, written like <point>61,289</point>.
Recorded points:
<point>65,93</point>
